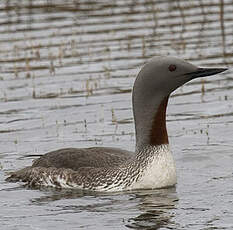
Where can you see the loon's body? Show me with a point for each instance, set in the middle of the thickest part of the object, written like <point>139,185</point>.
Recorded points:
<point>110,169</point>
<point>115,174</point>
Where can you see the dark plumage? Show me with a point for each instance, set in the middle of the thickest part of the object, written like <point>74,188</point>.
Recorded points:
<point>75,158</point>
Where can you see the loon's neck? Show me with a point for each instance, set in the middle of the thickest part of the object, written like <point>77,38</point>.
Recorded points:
<point>150,124</point>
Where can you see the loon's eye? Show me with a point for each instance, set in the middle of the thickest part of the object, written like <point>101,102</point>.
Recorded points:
<point>172,68</point>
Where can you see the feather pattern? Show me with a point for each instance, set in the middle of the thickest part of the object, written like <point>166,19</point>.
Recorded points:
<point>140,172</point>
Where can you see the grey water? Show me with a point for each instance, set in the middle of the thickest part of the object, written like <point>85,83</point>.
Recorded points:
<point>66,75</point>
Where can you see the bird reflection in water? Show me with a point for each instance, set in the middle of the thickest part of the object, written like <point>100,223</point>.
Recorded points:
<point>156,207</point>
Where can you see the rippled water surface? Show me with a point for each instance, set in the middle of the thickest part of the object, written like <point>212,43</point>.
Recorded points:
<point>66,74</point>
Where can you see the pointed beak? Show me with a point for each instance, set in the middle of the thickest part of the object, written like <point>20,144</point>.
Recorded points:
<point>204,72</point>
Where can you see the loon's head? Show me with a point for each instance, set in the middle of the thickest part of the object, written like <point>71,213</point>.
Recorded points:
<point>153,85</point>
<point>162,75</point>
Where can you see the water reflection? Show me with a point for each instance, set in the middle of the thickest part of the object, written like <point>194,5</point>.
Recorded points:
<point>53,194</point>
<point>157,209</point>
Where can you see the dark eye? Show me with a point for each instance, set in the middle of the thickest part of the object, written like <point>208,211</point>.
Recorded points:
<point>172,68</point>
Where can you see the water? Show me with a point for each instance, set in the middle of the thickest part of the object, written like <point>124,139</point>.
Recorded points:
<point>66,74</point>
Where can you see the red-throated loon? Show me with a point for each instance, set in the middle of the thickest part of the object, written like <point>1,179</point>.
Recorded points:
<point>111,169</point>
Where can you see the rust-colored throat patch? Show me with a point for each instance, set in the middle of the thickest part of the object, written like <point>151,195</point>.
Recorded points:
<point>158,134</point>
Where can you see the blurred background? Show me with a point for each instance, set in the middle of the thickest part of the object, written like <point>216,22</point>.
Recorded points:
<point>66,73</point>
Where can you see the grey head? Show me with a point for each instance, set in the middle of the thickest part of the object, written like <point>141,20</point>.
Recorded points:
<point>153,85</point>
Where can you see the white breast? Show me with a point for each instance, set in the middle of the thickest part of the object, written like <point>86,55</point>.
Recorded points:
<point>160,171</point>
